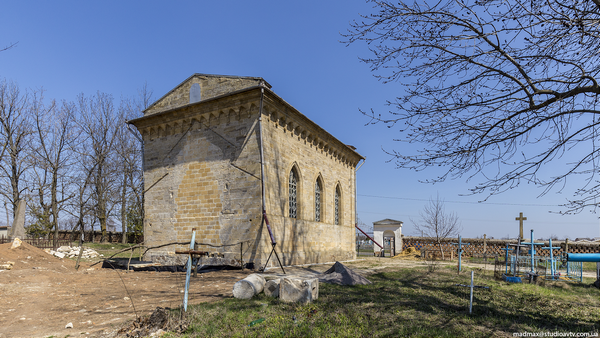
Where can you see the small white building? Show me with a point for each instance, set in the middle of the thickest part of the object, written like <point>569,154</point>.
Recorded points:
<point>388,230</point>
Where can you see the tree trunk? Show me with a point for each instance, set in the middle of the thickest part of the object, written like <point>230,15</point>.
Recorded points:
<point>54,203</point>
<point>124,209</point>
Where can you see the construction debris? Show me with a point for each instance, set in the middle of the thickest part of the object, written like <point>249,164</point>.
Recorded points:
<point>16,243</point>
<point>70,252</point>
<point>272,288</point>
<point>249,286</point>
<point>294,290</point>
<point>6,265</point>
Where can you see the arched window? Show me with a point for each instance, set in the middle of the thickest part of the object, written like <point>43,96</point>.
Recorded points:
<point>318,193</point>
<point>337,206</point>
<point>293,190</point>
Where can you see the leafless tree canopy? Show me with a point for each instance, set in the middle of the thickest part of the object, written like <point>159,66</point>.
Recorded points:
<point>436,222</point>
<point>76,164</point>
<point>500,88</point>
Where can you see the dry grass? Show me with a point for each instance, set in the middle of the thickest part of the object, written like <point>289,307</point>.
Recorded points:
<point>407,302</point>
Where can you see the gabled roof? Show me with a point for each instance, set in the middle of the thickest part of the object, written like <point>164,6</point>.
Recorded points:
<point>387,221</point>
<point>216,84</point>
<point>178,99</point>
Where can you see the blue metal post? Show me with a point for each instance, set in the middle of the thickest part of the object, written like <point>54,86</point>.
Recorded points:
<point>460,244</point>
<point>189,270</point>
<point>552,262</point>
<point>532,251</point>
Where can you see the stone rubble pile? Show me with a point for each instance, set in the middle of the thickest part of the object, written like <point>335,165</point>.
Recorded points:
<point>296,289</point>
<point>290,290</point>
<point>70,252</point>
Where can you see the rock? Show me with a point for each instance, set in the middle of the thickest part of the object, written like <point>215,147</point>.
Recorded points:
<point>59,254</point>
<point>248,287</point>
<point>69,326</point>
<point>7,266</point>
<point>16,243</point>
<point>64,248</point>
<point>272,288</point>
<point>298,290</point>
<point>157,333</point>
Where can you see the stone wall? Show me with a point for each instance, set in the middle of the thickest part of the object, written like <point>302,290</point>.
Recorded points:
<point>206,174</point>
<point>293,142</point>
<point>202,170</point>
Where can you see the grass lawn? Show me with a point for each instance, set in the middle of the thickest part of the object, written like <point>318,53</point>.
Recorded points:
<point>407,302</point>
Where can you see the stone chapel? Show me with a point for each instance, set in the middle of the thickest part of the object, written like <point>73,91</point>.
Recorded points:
<point>202,170</point>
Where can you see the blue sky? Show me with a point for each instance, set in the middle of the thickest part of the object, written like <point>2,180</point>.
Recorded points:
<point>72,47</point>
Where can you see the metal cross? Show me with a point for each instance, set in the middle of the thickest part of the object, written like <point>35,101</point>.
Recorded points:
<point>552,262</point>
<point>460,244</point>
<point>472,287</point>
<point>532,253</point>
<point>518,250</point>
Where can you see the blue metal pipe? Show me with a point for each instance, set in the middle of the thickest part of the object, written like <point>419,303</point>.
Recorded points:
<point>583,257</point>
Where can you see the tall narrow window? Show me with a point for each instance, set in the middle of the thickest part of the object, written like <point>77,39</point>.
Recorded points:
<point>293,186</point>
<point>337,205</point>
<point>318,190</point>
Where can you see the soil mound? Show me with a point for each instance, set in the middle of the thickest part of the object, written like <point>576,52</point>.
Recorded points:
<point>341,275</point>
<point>27,256</point>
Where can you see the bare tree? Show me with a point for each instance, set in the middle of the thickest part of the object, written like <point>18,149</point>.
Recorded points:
<point>98,122</point>
<point>15,132</point>
<point>436,223</point>
<point>495,87</point>
<point>129,149</point>
<point>52,157</point>
<point>130,163</point>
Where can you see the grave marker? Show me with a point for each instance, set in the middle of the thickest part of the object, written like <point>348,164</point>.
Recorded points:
<point>552,261</point>
<point>521,219</point>
<point>460,244</point>
<point>472,287</point>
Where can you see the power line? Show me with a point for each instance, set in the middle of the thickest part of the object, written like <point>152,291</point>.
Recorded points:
<point>462,202</point>
<point>501,221</point>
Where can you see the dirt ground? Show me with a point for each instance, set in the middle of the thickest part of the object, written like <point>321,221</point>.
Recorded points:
<point>42,294</point>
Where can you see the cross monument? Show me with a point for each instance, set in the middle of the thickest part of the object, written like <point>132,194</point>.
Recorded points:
<point>521,219</point>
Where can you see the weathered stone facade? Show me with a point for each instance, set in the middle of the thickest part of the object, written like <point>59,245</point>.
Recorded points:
<point>202,170</point>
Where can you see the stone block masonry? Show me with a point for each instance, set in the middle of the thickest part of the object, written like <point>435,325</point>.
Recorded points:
<point>202,171</point>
